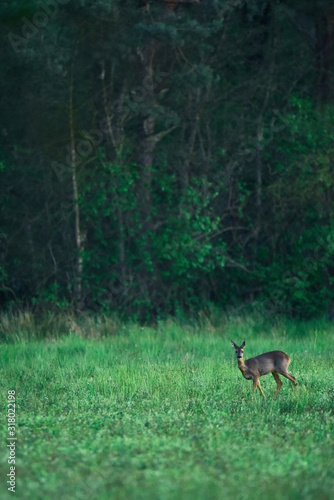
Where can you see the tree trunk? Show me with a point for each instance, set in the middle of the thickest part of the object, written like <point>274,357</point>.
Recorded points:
<point>76,208</point>
<point>325,58</point>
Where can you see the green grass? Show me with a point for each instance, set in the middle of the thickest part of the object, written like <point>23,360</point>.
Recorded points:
<point>165,413</point>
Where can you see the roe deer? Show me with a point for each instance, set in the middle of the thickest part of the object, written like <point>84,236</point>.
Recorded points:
<point>274,362</point>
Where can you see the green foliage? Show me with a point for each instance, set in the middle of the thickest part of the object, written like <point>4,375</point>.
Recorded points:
<point>308,238</point>
<point>202,166</point>
<point>51,297</point>
<point>175,248</point>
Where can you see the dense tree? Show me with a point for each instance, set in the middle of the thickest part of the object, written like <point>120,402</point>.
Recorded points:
<point>160,155</point>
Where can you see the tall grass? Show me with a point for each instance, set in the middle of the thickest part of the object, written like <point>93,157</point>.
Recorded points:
<point>113,410</point>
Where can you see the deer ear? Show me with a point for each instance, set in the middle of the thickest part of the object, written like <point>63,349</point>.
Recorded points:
<point>233,343</point>
<point>243,344</point>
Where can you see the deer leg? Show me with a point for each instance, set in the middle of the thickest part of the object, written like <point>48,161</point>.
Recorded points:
<point>290,377</point>
<point>256,384</point>
<point>278,382</point>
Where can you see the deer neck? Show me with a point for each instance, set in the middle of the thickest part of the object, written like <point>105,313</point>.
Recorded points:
<point>241,365</point>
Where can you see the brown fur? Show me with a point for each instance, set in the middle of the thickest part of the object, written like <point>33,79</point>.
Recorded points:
<point>275,362</point>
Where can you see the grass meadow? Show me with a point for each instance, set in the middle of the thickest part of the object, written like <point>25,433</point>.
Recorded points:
<point>106,410</point>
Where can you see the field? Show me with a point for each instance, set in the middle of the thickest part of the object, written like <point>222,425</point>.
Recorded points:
<point>112,411</point>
